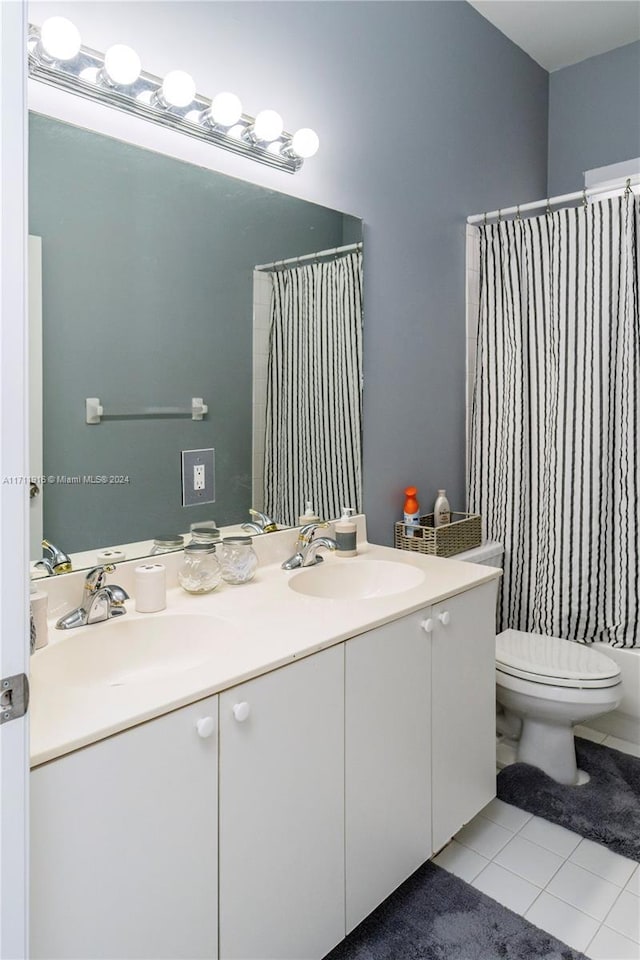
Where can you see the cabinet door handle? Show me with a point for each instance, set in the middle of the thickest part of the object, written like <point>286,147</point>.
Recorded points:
<point>205,726</point>
<point>241,711</point>
<point>444,618</point>
<point>427,625</point>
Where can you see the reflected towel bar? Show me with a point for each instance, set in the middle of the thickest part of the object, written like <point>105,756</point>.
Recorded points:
<point>95,412</point>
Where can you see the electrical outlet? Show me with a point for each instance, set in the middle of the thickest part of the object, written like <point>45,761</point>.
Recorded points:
<point>198,477</point>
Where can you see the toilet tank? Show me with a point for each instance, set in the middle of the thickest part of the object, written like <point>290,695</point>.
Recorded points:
<point>489,554</point>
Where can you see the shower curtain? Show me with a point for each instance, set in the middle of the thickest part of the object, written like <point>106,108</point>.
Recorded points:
<point>554,453</point>
<point>314,390</point>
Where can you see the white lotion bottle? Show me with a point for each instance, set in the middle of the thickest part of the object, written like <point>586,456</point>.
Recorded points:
<point>441,510</point>
<point>346,530</point>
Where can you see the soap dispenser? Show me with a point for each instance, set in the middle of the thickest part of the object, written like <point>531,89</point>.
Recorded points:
<point>309,515</point>
<point>346,529</point>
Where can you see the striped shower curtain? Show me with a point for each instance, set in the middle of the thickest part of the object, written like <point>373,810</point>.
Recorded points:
<point>555,435</point>
<point>314,390</point>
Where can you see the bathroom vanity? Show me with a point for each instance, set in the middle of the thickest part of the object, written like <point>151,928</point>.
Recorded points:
<point>263,802</point>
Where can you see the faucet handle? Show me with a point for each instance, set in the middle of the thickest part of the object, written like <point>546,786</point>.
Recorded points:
<point>96,577</point>
<point>266,523</point>
<point>307,531</point>
<point>54,559</point>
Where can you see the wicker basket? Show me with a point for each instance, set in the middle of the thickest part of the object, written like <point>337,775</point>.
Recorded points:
<point>463,533</point>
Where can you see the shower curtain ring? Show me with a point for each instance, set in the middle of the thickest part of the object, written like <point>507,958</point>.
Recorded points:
<point>518,217</point>
<point>584,198</point>
<point>549,211</point>
<point>485,218</point>
<point>499,216</point>
<point>627,189</point>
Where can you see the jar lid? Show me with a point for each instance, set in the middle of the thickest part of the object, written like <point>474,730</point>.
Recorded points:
<point>169,540</point>
<point>200,548</point>
<point>246,541</point>
<point>205,533</point>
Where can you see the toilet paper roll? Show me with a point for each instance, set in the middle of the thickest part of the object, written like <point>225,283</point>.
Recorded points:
<point>39,602</point>
<point>150,590</point>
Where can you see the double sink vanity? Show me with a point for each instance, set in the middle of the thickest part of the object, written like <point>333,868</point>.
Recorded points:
<point>249,773</point>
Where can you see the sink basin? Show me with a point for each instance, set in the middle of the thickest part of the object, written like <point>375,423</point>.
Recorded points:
<point>356,579</point>
<point>123,652</point>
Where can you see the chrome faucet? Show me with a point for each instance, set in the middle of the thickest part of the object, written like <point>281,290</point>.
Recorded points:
<point>304,541</point>
<point>100,600</point>
<point>54,560</point>
<point>261,524</point>
<point>310,553</point>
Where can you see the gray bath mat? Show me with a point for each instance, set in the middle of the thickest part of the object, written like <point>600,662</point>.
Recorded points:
<point>607,809</point>
<point>436,916</point>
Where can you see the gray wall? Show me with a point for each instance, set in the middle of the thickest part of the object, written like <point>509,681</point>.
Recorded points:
<point>426,113</point>
<point>147,301</point>
<point>594,116</point>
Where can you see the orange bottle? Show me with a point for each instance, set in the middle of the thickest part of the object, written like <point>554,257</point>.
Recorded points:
<point>411,510</point>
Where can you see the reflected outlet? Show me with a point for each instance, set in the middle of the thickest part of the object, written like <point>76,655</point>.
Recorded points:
<point>198,477</point>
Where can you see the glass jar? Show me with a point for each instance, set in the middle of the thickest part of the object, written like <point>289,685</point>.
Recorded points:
<point>167,543</point>
<point>205,535</point>
<point>239,559</point>
<point>200,570</point>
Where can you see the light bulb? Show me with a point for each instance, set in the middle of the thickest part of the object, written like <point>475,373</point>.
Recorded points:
<point>178,88</point>
<point>122,64</point>
<point>226,109</point>
<point>305,142</point>
<point>60,38</point>
<point>268,125</point>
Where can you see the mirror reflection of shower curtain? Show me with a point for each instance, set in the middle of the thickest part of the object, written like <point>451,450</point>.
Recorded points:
<point>313,442</point>
<point>555,459</point>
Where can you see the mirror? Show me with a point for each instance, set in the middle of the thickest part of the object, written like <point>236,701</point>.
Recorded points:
<point>147,302</point>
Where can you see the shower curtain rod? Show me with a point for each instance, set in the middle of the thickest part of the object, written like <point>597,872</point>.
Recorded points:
<point>334,251</point>
<point>618,186</point>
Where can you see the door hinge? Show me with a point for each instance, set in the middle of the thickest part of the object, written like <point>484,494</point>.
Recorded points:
<point>14,697</point>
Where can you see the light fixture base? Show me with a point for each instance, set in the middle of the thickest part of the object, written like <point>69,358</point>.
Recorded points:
<point>142,100</point>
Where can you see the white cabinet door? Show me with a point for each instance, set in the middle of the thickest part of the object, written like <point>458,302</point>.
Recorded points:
<point>282,812</point>
<point>388,760</point>
<point>14,499</point>
<point>124,844</point>
<point>463,709</point>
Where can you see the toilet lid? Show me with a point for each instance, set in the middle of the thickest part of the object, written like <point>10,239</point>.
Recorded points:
<point>553,660</point>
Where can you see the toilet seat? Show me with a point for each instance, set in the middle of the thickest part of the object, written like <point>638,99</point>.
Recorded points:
<point>553,660</point>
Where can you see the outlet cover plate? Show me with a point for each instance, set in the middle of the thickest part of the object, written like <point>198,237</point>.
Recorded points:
<point>190,459</point>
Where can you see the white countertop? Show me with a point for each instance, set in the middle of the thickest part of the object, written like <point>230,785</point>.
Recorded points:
<point>270,624</point>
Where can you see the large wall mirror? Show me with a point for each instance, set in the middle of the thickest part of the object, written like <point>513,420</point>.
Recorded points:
<point>149,298</point>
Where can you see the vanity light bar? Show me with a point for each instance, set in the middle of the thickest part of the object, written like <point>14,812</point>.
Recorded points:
<point>171,102</point>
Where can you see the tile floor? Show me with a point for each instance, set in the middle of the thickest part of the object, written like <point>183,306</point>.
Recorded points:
<point>579,891</point>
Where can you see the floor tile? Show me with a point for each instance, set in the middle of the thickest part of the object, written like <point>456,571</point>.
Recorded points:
<point>483,836</point>
<point>562,921</point>
<point>528,860</point>
<point>624,916</point>
<point>583,890</point>
<point>508,816</point>
<point>624,745</point>
<point>607,864</point>
<point>633,884</point>
<point>550,835</point>
<point>588,734</point>
<point>609,945</point>
<point>462,861</point>
<point>505,887</point>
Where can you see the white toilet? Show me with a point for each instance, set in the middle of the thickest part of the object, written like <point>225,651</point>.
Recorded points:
<point>547,685</point>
